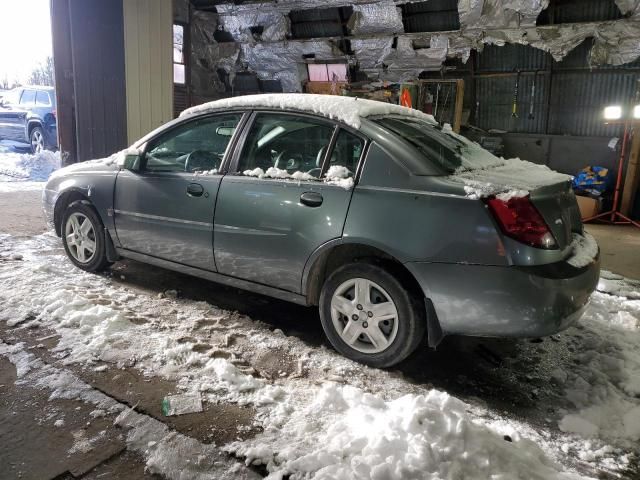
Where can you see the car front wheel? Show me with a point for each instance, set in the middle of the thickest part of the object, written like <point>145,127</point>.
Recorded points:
<point>369,316</point>
<point>83,238</point>
<point>37,140</point>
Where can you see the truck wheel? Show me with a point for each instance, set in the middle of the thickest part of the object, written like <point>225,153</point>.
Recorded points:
<point>369,316</point>
<point>83,237</point>
<point>37,140</point>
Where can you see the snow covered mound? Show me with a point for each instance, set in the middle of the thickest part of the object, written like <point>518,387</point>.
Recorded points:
<point>516,176</point>
<point>348,110</point>
<point>24,166</point>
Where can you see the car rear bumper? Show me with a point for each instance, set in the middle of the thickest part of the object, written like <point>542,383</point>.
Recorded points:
<point>511,301</point>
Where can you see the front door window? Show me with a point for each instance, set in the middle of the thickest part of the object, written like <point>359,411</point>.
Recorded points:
<point>197,146</point>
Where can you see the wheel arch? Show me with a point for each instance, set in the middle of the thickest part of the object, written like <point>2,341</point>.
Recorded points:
<point>338,252</point>
<point>65,199</point>
<point>32,123</point>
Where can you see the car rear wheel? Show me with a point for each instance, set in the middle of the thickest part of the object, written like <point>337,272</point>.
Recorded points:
<point>37,140</point>
<point>369,316</point>
<point>83,238</point>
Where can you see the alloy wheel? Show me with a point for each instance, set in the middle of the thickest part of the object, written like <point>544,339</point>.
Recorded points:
<point>364,315</point>
<point>80,237</point>
<point>37,141</point>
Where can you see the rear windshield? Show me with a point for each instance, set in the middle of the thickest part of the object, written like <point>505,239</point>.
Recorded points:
<point>453,152</point>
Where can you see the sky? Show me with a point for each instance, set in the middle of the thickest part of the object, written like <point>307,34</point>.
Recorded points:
<point>25,37</point>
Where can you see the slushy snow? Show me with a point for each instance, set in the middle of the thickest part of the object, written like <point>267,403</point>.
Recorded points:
<point>379,425</point>
<point>27,167</point>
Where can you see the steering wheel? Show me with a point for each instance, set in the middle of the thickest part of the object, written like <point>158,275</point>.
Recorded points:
<point>296,160</point>
<point>199,160</point>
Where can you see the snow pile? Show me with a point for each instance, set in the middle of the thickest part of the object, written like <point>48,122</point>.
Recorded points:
<point>24,166</point>
<point>345,433</point>
<point>585,250</point>
<point>340,176</point>
<point>348,110</point>
<point>313,427</point>
<point>513,176</point>
<point>336,175</point>
<point>605,385</point>
<point>166,452</point>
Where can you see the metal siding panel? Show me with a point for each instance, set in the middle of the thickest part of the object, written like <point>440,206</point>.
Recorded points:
<point>578,99</point>
<point>511,57</point>
<point>495,112</point>
<point>148,43</point>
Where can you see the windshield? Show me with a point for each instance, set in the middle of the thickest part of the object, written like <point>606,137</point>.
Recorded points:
<point>453,152</point>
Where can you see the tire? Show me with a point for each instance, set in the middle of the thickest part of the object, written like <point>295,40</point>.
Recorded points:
<point>36,139</point>
<point>85,246</point>
<point>399,316</point>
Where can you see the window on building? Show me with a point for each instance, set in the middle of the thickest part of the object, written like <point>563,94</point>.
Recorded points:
<point>431,16</point>
<point>327,72</point>
<point>179,67</point>
<point>320,22</point>
<point>575,11</point>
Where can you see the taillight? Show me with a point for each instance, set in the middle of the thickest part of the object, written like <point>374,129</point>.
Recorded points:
<point>519,219</point>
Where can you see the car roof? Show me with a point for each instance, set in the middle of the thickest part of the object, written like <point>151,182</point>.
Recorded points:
<point>348,110</point>
<point>37,87</point>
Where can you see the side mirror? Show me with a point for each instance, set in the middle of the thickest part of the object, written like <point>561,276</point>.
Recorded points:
<point>130,159</point>
<point>132,162</point>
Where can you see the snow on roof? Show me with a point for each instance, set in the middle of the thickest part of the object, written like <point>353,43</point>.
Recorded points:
<point>349,110</point>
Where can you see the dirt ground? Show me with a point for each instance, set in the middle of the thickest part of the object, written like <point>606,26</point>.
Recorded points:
<point>34,448</point>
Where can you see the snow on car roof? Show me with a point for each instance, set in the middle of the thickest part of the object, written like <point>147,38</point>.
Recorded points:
<point>349,110</point>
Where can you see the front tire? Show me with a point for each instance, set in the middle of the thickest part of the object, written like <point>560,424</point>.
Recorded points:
<point>83,237</point>
<point>36,138</point>
<point>369,316</point>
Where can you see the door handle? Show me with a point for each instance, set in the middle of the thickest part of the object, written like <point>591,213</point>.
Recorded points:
<point>311,199</point>
<point>195,190</point>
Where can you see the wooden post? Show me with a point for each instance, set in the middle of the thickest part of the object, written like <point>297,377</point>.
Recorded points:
<point>632,177</point>
<point>63,68</point>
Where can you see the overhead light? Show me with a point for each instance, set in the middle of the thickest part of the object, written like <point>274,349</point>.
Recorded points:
<point>614,112</point>
<point>636,111</point>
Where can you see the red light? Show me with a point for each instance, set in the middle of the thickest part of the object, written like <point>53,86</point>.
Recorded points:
<point>519,219</point>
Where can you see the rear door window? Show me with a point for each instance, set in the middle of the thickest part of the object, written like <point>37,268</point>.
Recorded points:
<point>345,155</point>
<point>28,98</point>
<point>452,152</point>
<point>285,146</point>
<point>42,99</point>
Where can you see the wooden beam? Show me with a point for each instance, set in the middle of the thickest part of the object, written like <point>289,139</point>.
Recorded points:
<point>632,177</point>
<point>63,67</point>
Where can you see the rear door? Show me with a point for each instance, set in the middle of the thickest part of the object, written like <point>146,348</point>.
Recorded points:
<point>274,209</point>
<point>166,209</point>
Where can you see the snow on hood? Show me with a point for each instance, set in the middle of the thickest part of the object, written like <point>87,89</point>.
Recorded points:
<point>349,110</point>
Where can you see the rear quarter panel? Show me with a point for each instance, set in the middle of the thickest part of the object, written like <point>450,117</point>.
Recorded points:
<point>419,218</point>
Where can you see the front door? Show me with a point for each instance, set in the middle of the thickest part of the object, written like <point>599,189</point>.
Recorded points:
<point>166,209</point>
<point>13,115</point>
<point>275,210</point>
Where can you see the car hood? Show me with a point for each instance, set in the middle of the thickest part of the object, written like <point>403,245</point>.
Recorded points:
<point>99,165</point>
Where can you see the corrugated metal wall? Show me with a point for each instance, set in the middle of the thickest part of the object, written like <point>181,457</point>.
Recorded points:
<point>569,95</point>
<point>148,64</point>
